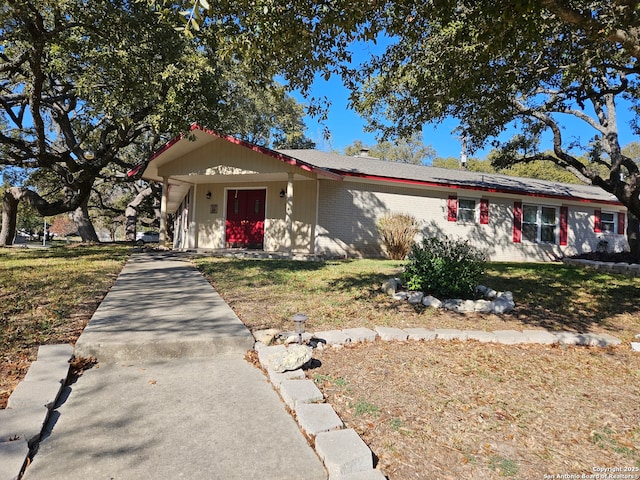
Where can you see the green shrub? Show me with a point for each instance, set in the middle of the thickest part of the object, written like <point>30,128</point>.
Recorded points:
<point>444,268</point>
<point>397,232</point>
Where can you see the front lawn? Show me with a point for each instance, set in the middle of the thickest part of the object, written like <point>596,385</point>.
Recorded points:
<point>464,410</point>
<point>343,294</point>
<point>427,409</point>
<point>48,295</point>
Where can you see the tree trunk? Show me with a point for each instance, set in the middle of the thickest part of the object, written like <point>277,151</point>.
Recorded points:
<point>85,228</point>
<point>633,235</point>
<point>9,218</point>
<point>131,214</point>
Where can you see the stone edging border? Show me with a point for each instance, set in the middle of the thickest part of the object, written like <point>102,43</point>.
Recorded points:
<point>344,453</point>
<point>628,268</point>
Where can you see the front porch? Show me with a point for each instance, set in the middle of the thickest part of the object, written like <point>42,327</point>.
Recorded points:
<point>226,193</point>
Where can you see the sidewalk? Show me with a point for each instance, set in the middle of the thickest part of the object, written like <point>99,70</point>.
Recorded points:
<point>172,396</point>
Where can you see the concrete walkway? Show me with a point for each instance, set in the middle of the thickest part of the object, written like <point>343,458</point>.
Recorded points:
<point>172,396</point>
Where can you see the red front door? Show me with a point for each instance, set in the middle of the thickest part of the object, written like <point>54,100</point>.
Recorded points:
<point>245,218</point>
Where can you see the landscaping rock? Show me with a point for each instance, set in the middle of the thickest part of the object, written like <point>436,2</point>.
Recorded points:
<point>266,337</point>
<point>415,298</point>
<point>361,334</point>
<point>292,358</point>
<point>504,303</point>
<point>483,306</point>
<point>452,304</point>
<point>343,452</point>
<point>486,292</point>
<point>390,334</point>
<point>391,286</point>
<point>635,346</point>
<point>460,306</point>
<point>401,296</point>
<point>264,352</point>
<point>430,301</point>
<point>420,334</point>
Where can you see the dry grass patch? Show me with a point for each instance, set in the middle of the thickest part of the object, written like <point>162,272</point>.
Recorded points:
<point>48,296</point>
<point>452,410</point>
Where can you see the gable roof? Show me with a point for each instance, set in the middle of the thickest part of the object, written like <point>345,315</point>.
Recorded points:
<point>198,136</point>
<point>336,167</point>
<point>374,169</point>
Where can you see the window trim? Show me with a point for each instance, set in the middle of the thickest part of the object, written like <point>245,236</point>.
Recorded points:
<point>480,210</point>
<point>474,210</point>
<point>559,234</point>
<point>619,222</point>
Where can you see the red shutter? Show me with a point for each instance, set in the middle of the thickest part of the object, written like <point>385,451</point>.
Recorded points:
<point>452,208</point>
<point>484,211</point>
<point>517,222</point>
<point>564,225</point>
<point>597,226</point>
<point>622,221</point>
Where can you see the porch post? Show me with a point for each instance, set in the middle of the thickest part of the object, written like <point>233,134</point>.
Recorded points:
<point>163,212</point>
<point>289,215</point>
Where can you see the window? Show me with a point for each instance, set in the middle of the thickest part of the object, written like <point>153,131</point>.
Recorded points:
<point>609,222</point>
<point>539,224</point>
<point>466,210</point>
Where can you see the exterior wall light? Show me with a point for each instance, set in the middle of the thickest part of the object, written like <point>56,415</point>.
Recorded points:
<point>282,193</point>
<point>299,319</point>
<point>208,195</point>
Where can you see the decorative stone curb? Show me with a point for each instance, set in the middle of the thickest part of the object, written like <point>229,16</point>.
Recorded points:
<point>345,455</point>
<point>609,267</point>
<point>29,406</point>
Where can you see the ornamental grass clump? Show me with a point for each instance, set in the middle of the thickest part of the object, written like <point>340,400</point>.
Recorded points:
<point>397,232</point>
<point>444,268</point>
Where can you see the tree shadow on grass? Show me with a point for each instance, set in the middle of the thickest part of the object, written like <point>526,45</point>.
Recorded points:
<point>558,297</point>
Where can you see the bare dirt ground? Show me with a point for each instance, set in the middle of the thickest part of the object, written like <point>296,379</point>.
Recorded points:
<point>466,410</point>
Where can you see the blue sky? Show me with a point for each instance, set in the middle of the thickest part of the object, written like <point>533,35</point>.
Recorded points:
<point>346,126</point>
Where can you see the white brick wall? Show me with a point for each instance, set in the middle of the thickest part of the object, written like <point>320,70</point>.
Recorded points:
<point>348,213</point>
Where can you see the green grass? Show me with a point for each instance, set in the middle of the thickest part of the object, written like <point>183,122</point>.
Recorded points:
<point>43,290</point>
<point>266,293</point>
<point>48,294</point>
<point>506,467</point>
<point>342,294</point>
<point>363,407</point>
<point>557,296</point>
